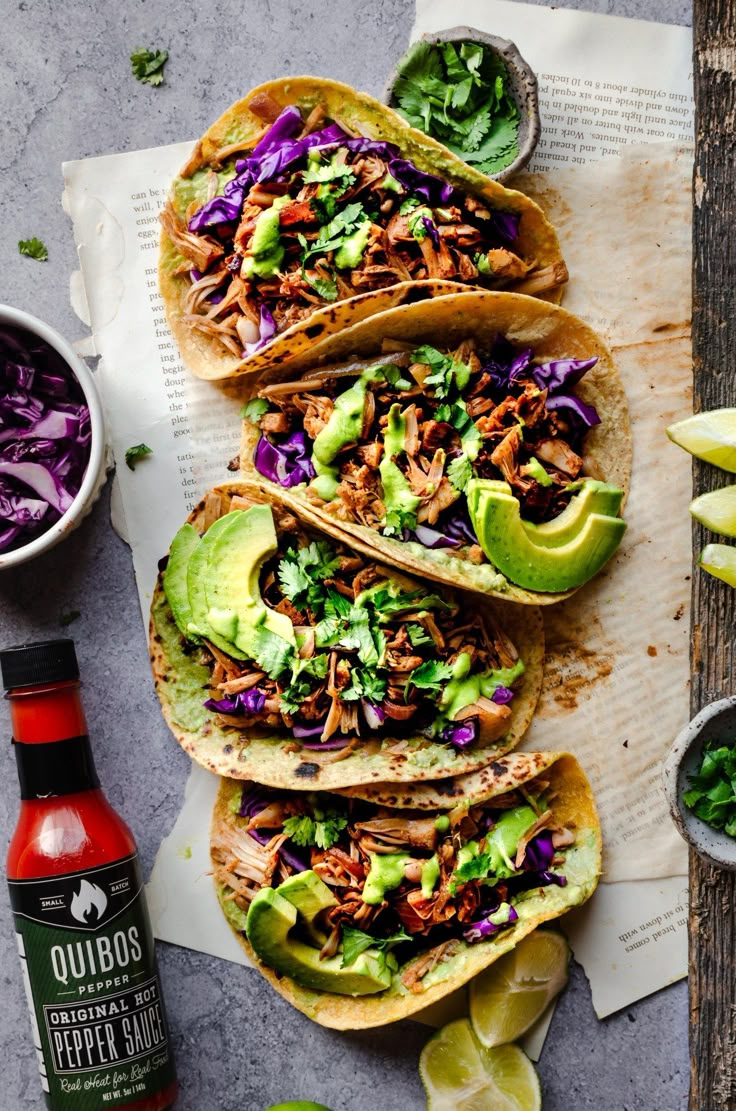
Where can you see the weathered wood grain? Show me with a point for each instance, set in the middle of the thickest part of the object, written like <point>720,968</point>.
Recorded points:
<point>713,893</point>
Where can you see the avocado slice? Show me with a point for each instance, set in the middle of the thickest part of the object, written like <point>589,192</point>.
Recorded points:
<point>196,579</point>
<point>235,608</point>
<point>593,497</point>
<point>175,576</point>
<point>312,898</point>
<point>271,918</point>
<point>513,546</point>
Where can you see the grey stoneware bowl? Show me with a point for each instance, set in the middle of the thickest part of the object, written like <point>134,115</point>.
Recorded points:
<point>522,85</point>
<point>716,722</point>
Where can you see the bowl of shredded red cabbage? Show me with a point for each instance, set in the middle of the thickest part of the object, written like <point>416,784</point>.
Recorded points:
<point>52,438</point>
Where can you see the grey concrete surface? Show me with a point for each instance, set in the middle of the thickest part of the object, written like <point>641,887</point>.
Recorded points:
<point>66,92</point>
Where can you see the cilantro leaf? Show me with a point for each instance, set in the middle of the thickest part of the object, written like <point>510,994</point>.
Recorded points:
<point>430,675</point>
<point>300,687</point>
<point>148,65</point>
<point>326,288</point>
<point>33,248</point>
<point>135,453</point>
<point>446,373</point>
<point>322,831</point>
<point>460,472</point>
<point>358,635</point>
<point>273,654</point>
<point>393,376</point>
<point>332,235</point>
<point>364,684</point>
<point>418,635</point>
<point>355,942</point>
<point>397,521</point>
<point>254,409</point>
<point>712,794</point>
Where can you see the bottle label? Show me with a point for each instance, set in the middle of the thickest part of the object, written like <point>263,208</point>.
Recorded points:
<point>89,969</point>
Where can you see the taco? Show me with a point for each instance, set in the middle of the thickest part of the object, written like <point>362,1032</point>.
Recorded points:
<point>281,655</point>
<point>309,206</point>
<point>360,914</point>
<point>480,439</point>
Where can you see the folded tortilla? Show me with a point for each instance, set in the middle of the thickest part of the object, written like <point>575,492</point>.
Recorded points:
<point>274,756</point>
<point>573,807</point>
<point>483,317</point>
<point>231,138</point>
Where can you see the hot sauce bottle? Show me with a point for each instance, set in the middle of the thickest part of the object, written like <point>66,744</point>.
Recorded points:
<point>76,891</point>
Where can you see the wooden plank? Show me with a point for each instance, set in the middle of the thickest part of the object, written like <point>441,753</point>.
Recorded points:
<point>713,892</point>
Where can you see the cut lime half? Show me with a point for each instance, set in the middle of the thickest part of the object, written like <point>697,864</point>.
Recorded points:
<point>717,510</point>
<point>460,1075</point>
<point>709,436</point>
<point>508,998</point>
<point>719,560</point>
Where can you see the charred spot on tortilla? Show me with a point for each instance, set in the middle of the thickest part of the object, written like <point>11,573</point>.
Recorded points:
<point>307,771</point>
<point>227,749</point>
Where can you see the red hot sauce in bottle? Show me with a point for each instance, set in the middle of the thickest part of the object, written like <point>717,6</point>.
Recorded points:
<point>76,890</point>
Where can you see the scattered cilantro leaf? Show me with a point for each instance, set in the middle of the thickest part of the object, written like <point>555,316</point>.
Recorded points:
<point>302,670</point>
<point>326,288</point>
<point>365,684</point>
<point>408,205</point>
<point>68,616</point>
<point>446,373</point>
<point>429,675</point>
<point>148,65</point>
<point>135,453</point>
<point>254,409</point>
<point>273,654</point>
<point>393,376</point>
<point>397,521</point>
<point>332,235</point>
<point>460,472</point>
<point>33,248</point>
<point>418,635</point>
<point>322,831</point>
<point>355,942</point>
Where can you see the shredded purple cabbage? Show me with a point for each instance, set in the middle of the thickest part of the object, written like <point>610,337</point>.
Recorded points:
<point>461,734</point>
<point>539,852</point>
<point>431,538</point>
<point>253,800</point>
<point>267,331</point>
<point>458,526</point>
<point>505,365</point>
<point>374,715</point>
<point>505,225</point>
<point>483,927</point>
<point>561,373</point>
<point>286,463</point>
<point>584,415</point>
<point>502,696</point>
<point>244,702</point>
<point>430,188</point>
<point>431,230</point>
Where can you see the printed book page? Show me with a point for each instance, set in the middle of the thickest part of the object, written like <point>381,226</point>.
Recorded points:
<point>604,82</point>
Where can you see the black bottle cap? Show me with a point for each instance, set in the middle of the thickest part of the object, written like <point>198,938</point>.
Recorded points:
<point>32,665</point>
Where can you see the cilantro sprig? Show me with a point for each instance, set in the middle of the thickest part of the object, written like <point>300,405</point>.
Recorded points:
<point>320,830</point>
<point>33,248</point>
<point>355,942</point>
<point>148,65</point>
<point>460,94</point>
<point>712,794</point>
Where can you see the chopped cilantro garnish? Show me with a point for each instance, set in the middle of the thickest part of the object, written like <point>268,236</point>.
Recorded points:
<point>303,571</point>
<point>254,409</point>
<point>135,453</point>
<point>460,472</point>
<point>712,794</point>
<point>393,376</point>
<point>364,684</point>
<point>460,95</point>
<point>418,635</point>
<point>273,654</point>
<point>406,206</point>
<point>326,288</point>
<point>302,670</point>
<point>429,675</point>
<point>33,248</point>
<point>332,235</point>
<point>446,373</point>
<point>355,942</point>
<point>148,65</point>
<point>322,830</point>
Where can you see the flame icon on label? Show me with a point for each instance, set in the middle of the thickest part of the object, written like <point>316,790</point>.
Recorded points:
<point>89,904</point>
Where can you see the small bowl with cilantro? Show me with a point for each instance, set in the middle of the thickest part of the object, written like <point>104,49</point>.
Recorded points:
<point>52,438</point>
<point>700,783</point>
<point>474,93</point>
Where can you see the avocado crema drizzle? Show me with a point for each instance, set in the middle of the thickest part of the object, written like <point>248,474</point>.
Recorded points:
<point>305,636</point>
<point>366,880</point>
<point>315,213</point>
<point>400,447</point>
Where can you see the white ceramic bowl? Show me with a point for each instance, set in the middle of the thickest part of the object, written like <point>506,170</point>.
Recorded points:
<point>94,477</point>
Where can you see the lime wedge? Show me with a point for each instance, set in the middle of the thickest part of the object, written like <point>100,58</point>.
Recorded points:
<point>717,510</point>
<point>460,1075</point>
<point>710,436</point>
<point>719,560</point>
<point>508,998</point>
